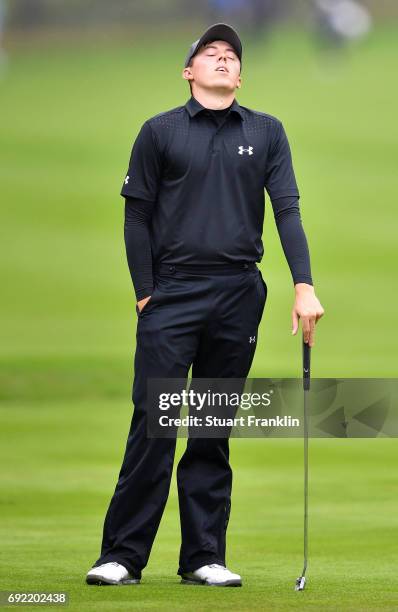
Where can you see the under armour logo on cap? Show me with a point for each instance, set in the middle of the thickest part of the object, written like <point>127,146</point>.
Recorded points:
<point>242,150</point>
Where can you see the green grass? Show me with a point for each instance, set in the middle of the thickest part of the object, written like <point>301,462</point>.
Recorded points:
<point>59,479</point>
<point>68,117</point>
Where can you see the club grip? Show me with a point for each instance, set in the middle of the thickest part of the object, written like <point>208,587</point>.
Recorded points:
<point>306,365</point>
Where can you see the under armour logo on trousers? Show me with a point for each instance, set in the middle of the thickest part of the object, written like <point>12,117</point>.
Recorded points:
<point>252,339</point>
<point>242,150</point>
<point>126,180</point>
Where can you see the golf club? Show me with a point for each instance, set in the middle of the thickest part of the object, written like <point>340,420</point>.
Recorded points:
<point>300,582</point>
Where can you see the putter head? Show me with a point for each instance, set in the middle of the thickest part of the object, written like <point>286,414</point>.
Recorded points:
<point>300,583</point>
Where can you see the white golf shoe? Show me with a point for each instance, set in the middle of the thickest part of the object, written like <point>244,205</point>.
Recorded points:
<point>212,575</point>
<point>110,573</point>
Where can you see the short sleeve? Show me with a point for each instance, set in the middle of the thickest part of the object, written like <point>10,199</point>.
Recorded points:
<point>280,180</point>
<point>144,171</point>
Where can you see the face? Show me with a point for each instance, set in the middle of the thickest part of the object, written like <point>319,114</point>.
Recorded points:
<point>215,66</point>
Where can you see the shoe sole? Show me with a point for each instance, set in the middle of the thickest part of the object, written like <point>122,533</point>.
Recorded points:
<point>97,580</point>
<point>228,583</point>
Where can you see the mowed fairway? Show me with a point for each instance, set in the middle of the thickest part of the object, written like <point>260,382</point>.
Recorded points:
<point>62,462</point>
<point>68,117</point>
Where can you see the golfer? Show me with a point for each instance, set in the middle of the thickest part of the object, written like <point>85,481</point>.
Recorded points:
<point>194,210</point>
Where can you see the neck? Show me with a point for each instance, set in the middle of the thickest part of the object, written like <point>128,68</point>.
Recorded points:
<point>212,99</point>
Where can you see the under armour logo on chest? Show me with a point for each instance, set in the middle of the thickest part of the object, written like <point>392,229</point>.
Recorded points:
<point>242,150</point>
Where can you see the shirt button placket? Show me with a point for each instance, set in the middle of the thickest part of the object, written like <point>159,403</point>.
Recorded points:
<point>216,140</point>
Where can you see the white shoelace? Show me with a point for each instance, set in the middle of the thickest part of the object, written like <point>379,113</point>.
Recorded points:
<point>218,566</point>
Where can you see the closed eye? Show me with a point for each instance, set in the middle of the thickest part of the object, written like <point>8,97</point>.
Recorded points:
<point>213,55</point>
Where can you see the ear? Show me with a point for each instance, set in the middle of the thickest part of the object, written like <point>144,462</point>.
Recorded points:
<point>239,83</point>
<point>187,74</point>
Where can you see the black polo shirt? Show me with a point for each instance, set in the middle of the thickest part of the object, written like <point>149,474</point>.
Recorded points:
<point>207,179</point>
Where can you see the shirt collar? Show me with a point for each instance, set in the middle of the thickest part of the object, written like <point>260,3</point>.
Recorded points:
<point>194,107</point>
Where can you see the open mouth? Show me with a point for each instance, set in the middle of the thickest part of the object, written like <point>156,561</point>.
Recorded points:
<point>221,69</point>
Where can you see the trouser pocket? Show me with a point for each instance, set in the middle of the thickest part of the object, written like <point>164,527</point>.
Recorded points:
<point>262,292</point>
<point>148,306</point>
<point>264,284</point>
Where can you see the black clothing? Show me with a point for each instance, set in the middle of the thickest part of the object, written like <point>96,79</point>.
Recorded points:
<point>138,246</point>
<point>293,239</point>
<point>208,182</point>
<point>137,217</point>
<point>209,321</point>
<point>219,114</point>
<point>194,212</point>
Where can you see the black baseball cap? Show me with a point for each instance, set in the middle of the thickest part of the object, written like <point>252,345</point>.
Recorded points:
<point>218,31</point>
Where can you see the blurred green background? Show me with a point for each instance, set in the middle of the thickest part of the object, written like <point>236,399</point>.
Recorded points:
<point>71,105</point>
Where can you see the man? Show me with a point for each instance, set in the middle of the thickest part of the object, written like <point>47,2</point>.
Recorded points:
<point>193,224</point>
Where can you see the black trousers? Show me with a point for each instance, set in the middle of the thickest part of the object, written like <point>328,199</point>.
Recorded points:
<point>209,319</point>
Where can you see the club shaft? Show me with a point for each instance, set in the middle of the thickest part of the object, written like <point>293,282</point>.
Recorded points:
<point>305,481</point>
<point>306,386</point>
